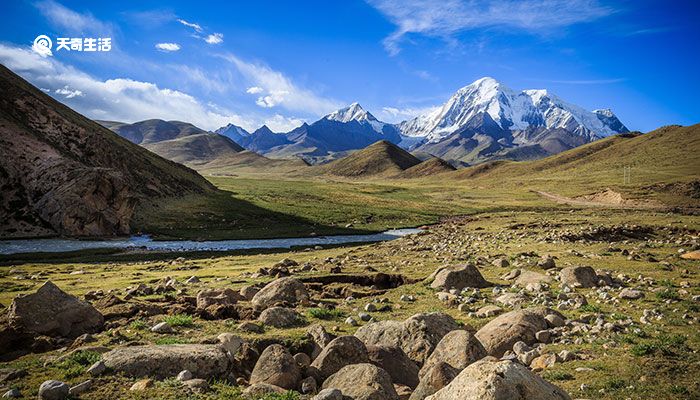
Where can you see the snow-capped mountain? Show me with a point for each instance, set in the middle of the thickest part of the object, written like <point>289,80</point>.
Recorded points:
<point>355,112</point>
<point>234,132</point>
<point>512,111</point>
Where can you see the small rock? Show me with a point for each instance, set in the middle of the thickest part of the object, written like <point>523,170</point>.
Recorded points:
<point>80,388</point>
<point>543,336</point>
<point>329,394</point>
<point>53,390</point>
<point>251,327</point>
<point>308,385</point>
<point>184,375</point>
<point>12,394</point>
<point>97,368</point>
<point>143,384</point>
<point>631,294</point>
<point>162,327</point>
<point>197,385</point>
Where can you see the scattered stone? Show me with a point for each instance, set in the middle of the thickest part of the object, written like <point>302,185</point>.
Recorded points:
<point>142,385</point>
<point>511,299</point>
<point>319,337</point>
<point>543,336</point>
<point>458,348</point>
<point>184,375</point>
<point>458,277</point>
<point>259,390</point>
<point>162,327</point>
<point>396,363</point>
<point>230,343</point>
<point>583,277</point>
<point>251,327</point>
<point>498,380</point>
<point>12,394</point>
<point>248,292</point>
<point>309,385</point>
<point>363,382</point>
<point>433,379</point>
<point>164,361</point>
<point>283,291</point>
<point>52,312</point>
<point>532,281</point>
<point>329,394</point>
<point>197,385</point>
<point>80,388</point>
<point>53,390</point>
<point>488,311</point>
<point>97,369</point>
<point>276,367</point>
<point>281,317</point>
<point>417,336</point>
<point>500,263</point>
<point>547,262</point>
<point>543,362</point>
<point>631,294</point>
<point>303,360</point>
<point>501,333</point>
<point>342,351</point>
<point>210,297</point>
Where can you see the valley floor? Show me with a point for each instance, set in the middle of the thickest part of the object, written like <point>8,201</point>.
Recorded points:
<point>636,349</point>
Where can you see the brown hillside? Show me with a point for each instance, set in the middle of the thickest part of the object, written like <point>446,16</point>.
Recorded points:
<point>379,159</point>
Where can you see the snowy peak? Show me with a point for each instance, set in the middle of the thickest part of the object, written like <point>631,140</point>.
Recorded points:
<point>353,112</point>
<point>511,110</point>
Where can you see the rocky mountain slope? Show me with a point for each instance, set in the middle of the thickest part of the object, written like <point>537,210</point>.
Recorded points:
<point>63,174</point>
<point>177,141</point>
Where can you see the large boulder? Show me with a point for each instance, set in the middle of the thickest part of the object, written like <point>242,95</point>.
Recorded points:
<point>531,280</point>
<point>341,351</point>
<point>276,367</point>
<point>458,277</point>
<point>498,380</point>
<point>417,336</point>
<point>319,337</point>
<point>362,382</point>
<point>211,297</point>
<point>283,291</point>
<point>53,312</point>
<point>433,379</point>
<point>393,360</point>
<point>583,277</point>
<point>501,333</point>
<point>164,361</point>
<point>281,317</point>
<point>458,348</point>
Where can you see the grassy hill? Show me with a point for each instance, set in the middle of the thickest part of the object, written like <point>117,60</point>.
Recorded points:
<point>426,168</point>
<point>666,156</point>
<point>379,159</point>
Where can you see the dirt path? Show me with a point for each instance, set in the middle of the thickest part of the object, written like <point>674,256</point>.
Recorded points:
<point>588,203</point>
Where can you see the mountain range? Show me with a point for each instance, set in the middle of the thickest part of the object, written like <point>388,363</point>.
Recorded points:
<point>482,121</point>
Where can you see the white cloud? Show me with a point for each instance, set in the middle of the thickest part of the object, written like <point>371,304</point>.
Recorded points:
<point>255,90</point>
<point>192,25</point>
<point>445,18</point>
<point>118,99</point>
<point>215,38</point>
<point>71,21</point>
<point>168,47</point>
<point>279,90</point>
<point>279,123</point>
<point>67,93</point>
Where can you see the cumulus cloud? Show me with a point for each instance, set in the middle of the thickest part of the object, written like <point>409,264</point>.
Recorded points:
<point>192,25</point>
<point>280,90</point>
<point>67,93</point>
<point>215,38</point>
<point>280,123</point>
<point>445,18</point>
<point>117,99</point>
<point>167,47</point>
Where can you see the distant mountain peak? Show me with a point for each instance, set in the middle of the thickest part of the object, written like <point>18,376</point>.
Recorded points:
<point>511,110</point>
<point>353,112</point>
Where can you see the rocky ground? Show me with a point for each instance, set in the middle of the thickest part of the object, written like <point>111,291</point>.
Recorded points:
<point>596,304</point>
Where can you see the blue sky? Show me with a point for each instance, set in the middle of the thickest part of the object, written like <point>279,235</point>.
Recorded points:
<point>281,63</point>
